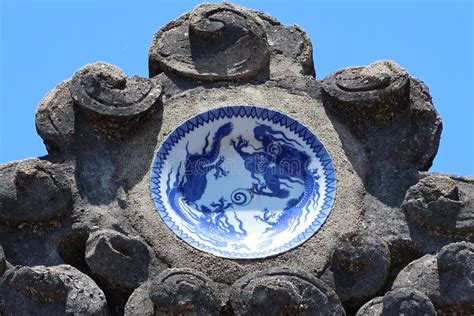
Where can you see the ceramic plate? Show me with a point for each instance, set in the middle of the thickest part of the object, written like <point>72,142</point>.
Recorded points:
<point>243,182</point>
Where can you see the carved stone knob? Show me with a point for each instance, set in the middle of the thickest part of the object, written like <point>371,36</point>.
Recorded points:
<point>184,292</point>
<point>371,308</point>
<point>442,205</point>
<point>3,261</point>
<point>214,42</point>
<point>377,91</point>
<point>34,191</point>
<point>446,278</point>
<point>283,292</point>
<point>104,91</point>
<point>54,290</point>
<point>359,267</point>
<point>121,262</point>
<point>405,301</point>
<point>55,118</point>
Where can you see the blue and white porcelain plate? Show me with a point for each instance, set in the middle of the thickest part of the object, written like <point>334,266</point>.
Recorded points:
<point>243,182</point>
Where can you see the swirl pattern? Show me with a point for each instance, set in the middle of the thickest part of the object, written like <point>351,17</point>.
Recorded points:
<point>241,197</point>
<point>217,42</point>
<point>104,90</point>
<point>283,291</point>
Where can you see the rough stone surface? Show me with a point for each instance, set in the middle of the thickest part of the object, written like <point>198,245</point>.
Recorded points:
<point>281,291</point>
<point>372,308</point>
<point>140,303</point>
<point>33,192</point>
<point>291,51</point>
<point>3,261</point>
<point>121,263</point>
<point>184,292</point>
<point>442,205</point>
<point>86,199</point>
<point>456,275</point>
<point>345,215</point>
<point>103,91</point>
<point>55,118</point>
<point>407,302</point>
<point>358,269</point>
<point>378,91</point>
<point>446,278</point>
<point>402,301</point>
<point>56,290</point>
<point>213,42</point>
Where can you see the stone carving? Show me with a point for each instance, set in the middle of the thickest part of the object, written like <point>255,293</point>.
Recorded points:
<point>175,292</point>
<point>33,192</point>
<point>283,292</point>
<point>55,118</point>
<point>120,262</point>
<point>442,205</point>
<point>139,303</point>
<point>378,91</point>
<point>402,301</point>
<point>56,290</point>
<point>184,291</point>
<point>87,203</point>
<point>446,278</point>
<point>358,269</point>
<point>216,42</point>
<point>103,91</point>
<point>407,302</point>
<point>372,308</point>
<point>3,261</point>
<point>290,48</point>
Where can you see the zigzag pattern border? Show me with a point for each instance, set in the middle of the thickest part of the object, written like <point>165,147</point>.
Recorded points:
<point>254,112</point>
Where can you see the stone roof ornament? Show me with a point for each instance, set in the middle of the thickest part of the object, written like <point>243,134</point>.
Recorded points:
<point>218,41</point>
<point>357,226</point>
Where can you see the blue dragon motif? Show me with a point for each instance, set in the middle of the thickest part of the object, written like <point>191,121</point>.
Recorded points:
<point>188,188</point>
<point>198,165</point>
<point>278,161</point>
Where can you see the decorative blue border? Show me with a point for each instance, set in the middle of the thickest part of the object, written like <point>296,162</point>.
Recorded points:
<point>253,112</point>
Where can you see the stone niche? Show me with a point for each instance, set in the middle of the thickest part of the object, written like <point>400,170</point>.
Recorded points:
<point>79,232</point>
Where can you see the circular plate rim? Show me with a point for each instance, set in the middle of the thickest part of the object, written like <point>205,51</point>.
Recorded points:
<point>260,112</point>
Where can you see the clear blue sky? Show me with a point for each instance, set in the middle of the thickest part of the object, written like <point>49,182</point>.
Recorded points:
<point>45,42</point>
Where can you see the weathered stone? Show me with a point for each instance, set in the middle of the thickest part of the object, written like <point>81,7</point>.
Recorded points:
<point>290,47</point>
<point>377,91</point>
<point>402,252</point>
<point>359,268</point>
<point>403,301</point>
<point>183,291</point>
<point>103,91</point>
<point>55,119</point>
<point>422,275</point>
<point>282,291</point>
<point>216,42</point>
<point>407,302</point>
<point>438,203</point>
<point>121,262</point>
<point>140,303</point>
<point>445,278</point>
<point>3,261</point>
<point>313,254</point>
<point>413,123</point>
<point>456,276</point>
<point>423,134</point>
<point>33,191</point>
<point>217,55</point>
<point>56,290</point>
<point>71,247</point>
<point>372,308</point>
